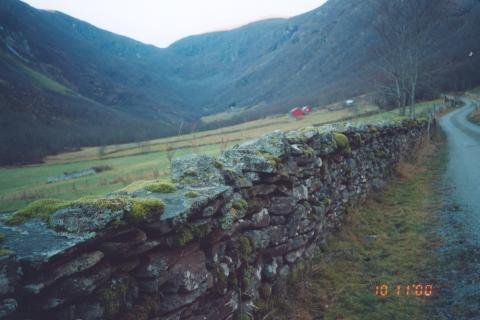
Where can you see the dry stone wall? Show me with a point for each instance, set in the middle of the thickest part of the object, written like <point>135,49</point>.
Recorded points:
<point>233,232</point>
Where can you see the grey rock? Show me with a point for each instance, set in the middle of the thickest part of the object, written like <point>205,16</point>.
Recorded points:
<point>248,161</point>
<point>78,264</point>
<point>126,250</point>
<point>282,206</point>
<point>270,270</point>
<point>277,220</point>
<point>274,143</point>
<point>300,193</point>
<point>293,256</point>
<point>261,219</point>
<point>197,169</point>
<point>75,287</point>
<point>84,219</point>
<point>7,307</point>
<point>303,135</point>
<point>267,237</point>
<point>10,272</point>
<point>156,263</point>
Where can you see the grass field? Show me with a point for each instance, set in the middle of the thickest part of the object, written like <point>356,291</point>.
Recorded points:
<point>147,160</point>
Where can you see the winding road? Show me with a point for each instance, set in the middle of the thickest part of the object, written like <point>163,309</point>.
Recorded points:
<point>463,171</point>
<point>459,259</point>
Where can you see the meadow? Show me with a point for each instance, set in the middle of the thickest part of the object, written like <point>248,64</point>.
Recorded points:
<point>151,159</point>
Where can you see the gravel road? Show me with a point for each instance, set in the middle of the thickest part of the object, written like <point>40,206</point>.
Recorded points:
<point>458,267</point>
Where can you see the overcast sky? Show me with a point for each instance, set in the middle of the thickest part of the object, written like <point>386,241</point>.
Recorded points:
<point>161,22</point>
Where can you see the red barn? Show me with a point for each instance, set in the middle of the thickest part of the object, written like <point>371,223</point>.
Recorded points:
<point>297,113</point>
<point>307,109</point>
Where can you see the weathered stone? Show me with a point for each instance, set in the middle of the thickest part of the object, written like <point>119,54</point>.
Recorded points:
<point>270,270</point>
<point>188,273</point>
<point>75,287</point>
<point>197,169</point>
<point>156,263</point>
<point>7,307</point>
<point>274,143</point>
<point>125,249</point>
<point>84,219</point>
<point>282,206</point>
<point>78,264</point>
<point>248,161</point>
<point>261,219</point>
<point>262,189</point>
<point>277,220</point>
<point>159,228</point>
<point>267,237</point>
<point>10,271</point>
<point>291,257</point>
<point>300,193</point>
<point>324,143</point>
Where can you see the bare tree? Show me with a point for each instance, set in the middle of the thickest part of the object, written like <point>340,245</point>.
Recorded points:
<point>409,33</point>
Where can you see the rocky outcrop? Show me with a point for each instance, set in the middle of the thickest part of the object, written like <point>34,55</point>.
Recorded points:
<point>253,217</point>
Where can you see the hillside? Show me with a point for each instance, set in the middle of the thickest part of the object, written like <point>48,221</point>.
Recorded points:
<point>65,83</point>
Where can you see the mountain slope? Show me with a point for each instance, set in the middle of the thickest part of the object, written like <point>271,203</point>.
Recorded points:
<point>66,84</point>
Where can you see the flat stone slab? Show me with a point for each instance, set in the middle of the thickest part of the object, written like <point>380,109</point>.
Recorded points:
<point>34,242</point>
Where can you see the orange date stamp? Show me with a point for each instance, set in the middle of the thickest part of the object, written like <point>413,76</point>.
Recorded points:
<point>413,290</point>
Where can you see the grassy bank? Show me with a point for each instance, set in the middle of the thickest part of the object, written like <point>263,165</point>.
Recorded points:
<point>389,240</point>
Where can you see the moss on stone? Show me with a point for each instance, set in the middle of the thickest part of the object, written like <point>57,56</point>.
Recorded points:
<point>191,194</point>
<point>183,236</point>
<point>240,204</point>
<point>309,152</point>
<point>273,160</point>
<point>200,231</point>
<point>113,203</point>
<point>247,279</point>
<point>142,208</point>
<point>6,252</point>
<point>341,140</point>
<point>40,209</point>
<point>112,299</point>
<point>2,237</point>
<point>245,247</point>
<point>218,164</point>
<point>327,202</point>
<point>161,187</point>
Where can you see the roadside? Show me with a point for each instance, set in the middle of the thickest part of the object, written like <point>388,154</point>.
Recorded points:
<point>390,240</point>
